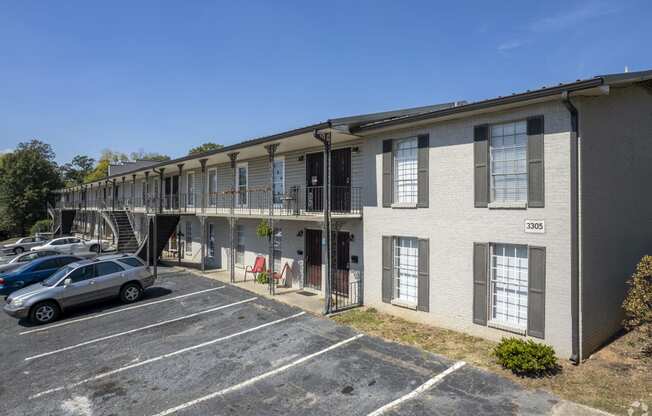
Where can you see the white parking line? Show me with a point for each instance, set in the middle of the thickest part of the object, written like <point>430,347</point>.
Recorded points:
<point>99,315</point>
<point>256,379</point>
<point>93,341</point>
<point>425,386</point>
<point>164,356</point>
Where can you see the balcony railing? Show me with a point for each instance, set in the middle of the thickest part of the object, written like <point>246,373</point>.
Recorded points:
<point>295,201</point>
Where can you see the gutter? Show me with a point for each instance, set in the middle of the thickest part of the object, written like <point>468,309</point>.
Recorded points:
<point>515,98</point>
<point>576,309</point>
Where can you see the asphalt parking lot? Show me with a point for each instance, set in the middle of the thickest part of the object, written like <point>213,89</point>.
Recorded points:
<point>195,346</point>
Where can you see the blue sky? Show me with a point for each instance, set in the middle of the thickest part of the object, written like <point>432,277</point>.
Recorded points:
<point>164,76</point>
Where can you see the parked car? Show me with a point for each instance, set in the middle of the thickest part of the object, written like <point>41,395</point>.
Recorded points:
<point>33,272</point>
<point>23,244</point>
<point>23,258</point>
<point>79,283</point>
<point>72,245</point>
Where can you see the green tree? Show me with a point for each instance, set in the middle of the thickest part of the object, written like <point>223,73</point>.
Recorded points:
<point>142,155</point>
<point>28,176</point>
<point>101,169</point>
<point>206,147</point>
<point>75,171</point>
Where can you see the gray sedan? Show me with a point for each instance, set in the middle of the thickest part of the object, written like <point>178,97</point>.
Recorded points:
<point>80,283</point>
<point>23,244</point>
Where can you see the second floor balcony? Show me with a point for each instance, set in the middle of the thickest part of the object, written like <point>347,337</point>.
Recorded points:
<point>296,201</point>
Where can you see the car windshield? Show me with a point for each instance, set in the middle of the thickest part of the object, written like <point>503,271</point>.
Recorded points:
<point>52,280</point>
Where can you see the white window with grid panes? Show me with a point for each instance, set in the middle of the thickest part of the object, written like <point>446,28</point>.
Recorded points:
<point>278,186</point>
<point>405,171</point>
<point>509,285</point>
<point>240,245</point>
<point>508,156</point>
<point>189,238</point>
<point>212,187</point>
<point>406,270</point>
<point>211,240</point>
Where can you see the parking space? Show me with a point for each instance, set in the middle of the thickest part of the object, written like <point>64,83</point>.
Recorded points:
<point>195,346</point>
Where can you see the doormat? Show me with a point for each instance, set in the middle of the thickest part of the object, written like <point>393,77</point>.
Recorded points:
<point>304,293</point>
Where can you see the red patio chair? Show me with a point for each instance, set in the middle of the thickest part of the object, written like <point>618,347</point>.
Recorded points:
<point>278,276</point>
<point>259,267</point>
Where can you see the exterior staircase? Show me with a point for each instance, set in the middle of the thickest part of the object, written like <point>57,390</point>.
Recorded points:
<point>126,238</point>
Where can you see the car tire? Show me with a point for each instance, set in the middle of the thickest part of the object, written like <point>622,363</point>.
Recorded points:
<point>131,292</point>
<point>44,312</point>
<point>95,248</point>
<point>19,250</point>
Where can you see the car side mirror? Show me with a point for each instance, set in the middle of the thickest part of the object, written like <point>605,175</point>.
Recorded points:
<point>67,282</point>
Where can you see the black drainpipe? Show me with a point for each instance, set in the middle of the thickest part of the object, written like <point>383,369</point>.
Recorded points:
<point>575,237</point>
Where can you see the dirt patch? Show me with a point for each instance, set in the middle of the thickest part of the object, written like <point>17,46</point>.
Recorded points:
<point>611,379</point>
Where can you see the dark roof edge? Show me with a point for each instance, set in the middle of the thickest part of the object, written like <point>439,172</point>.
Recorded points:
<point>225,149</point>
<point>515,98</point>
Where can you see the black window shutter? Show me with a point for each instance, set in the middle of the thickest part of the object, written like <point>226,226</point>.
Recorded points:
<point>480,279</point>
<point>387,270</point>
<point>387,173</point>
<point>536,313</point>
<point>535,165</point>
<point>422,168</point>
<point>481,165</point>
<point>423,285</point>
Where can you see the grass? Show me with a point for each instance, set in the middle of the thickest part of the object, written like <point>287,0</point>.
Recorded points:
<point>612,379</point>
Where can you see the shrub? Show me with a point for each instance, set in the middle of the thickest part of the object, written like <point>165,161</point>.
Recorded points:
<point>263,229</point>
<point>638,303</point>
<point>526,357</point>
<point>262,278</point>
<point>41,226</point>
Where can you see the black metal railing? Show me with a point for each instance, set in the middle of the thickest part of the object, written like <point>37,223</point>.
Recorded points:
<point>294,201</point>
<point>346,290</point>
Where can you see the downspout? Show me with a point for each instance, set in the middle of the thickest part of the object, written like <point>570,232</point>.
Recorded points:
<point>576,309</point>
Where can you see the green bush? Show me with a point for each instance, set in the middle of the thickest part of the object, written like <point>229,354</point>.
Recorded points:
<point>41,226</point>
<point>262,278</point>
<point>263,229</point>
<point>638,303</point>
<point>526,357</point>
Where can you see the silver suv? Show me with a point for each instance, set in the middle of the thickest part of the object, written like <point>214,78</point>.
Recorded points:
<point>79,283</point>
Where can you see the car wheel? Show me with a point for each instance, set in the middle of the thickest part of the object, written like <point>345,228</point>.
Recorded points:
<point>95,248</point>
<point>44,312</point>
<point>130,292</point>
<point>18,250</point>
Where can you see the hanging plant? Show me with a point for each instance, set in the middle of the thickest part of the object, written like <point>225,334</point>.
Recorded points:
<point>264,230</point>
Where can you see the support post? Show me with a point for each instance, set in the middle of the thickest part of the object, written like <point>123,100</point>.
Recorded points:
<point>132,205</point>
<point>271,152</point>
<point>233,158</point>
<point>113,195</point>
<point>179,193</point>
<point>146,185</point>
<point>325,138</point>
<point>202,218</point>
<point>160,191</point>
<point>155,245</point>
<point>123,192</point>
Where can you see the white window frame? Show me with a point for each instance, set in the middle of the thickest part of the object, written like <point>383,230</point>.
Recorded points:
<point>212,199</point>
<point>188,238</point>
<point>412,199</point>
<point>211,240</point>
<point>515,148</point>
<point>190,189</point>
<point>282,183</point>
<point>514,289</point>
<point>238,201</point>
<point>239,236</point>
<point>410,295</point>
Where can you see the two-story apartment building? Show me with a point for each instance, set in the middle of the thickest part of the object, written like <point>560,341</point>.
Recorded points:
<point>522,214</point>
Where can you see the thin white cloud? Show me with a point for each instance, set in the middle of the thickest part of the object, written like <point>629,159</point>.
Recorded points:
<point>2,152</point>
<point>573,17</point>
<point>508,46</point>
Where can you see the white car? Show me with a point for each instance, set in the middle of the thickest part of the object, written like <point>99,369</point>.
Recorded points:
<point>72,245</point>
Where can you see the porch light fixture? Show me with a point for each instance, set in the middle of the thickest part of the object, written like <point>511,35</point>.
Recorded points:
<point>355,150</point>
<point>300,233</point>
<point>351,237</point>
<point>300,158</point>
